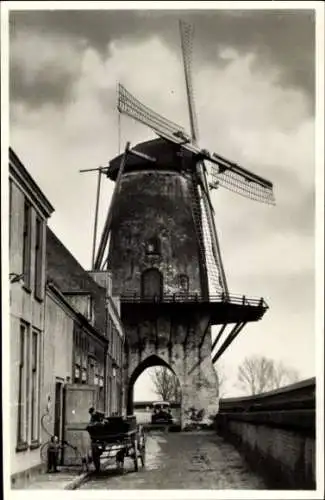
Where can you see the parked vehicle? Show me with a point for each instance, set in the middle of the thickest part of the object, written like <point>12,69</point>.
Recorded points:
<point>161,413</point>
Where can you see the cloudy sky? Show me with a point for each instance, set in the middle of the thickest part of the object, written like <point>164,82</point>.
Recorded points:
<point>254,93</point>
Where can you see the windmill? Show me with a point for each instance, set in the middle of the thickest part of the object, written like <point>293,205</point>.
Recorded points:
<point>223,172</point>
<point>195,163</point>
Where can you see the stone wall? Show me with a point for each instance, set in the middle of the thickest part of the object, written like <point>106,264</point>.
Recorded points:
<point>276,433</point>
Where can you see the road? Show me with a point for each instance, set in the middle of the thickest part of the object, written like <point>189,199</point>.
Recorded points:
<point>181,461</point>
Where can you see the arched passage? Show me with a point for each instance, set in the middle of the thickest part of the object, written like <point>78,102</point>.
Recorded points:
<point>149,362</point>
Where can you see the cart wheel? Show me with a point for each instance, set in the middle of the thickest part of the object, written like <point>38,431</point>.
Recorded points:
<point>96,459</point>
<point>135,458</point>
<point>143,455</point>
<point>120,467</point>
<point>120,461</point>
<point>95,454</point>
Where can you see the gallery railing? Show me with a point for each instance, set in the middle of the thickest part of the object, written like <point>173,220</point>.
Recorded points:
<point>194,298</point>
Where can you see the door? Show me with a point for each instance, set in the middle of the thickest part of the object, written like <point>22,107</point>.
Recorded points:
<point>151,283</point>
<point>77,401</point>
<point>58,413</point>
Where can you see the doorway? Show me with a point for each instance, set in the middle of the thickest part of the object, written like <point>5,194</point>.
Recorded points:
<point>151,283</point>
<point>58,412</point>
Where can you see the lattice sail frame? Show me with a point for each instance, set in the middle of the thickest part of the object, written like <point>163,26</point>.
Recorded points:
<point>223,172</point>
<point>213,267</point>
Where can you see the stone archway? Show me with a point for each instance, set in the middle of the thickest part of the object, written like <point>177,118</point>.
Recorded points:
<point>150,361</point>
<point>175,342</point>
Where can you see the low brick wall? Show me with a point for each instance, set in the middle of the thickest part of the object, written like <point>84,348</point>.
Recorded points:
<point>276,434</point>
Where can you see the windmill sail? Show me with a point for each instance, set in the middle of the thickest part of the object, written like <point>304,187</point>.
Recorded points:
<point>224,172</point>
<point>217,282</point>
<point>215,270</point>
<point>186,31</point>
<point>129,105</point>
<point>203,232</point>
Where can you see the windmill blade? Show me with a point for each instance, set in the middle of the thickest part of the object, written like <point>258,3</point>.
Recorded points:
<point>132,107</point>
<point>186,31</point>
<point>211,235</point>
<point>242,184</point>
<point>224,172</point>
<point>203,234</point>
<point>216,276</point>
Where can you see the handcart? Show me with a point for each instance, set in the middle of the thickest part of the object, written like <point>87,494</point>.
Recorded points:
<point>117,437</point>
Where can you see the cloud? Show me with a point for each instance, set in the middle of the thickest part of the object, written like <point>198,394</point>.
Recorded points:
<point>283,39</point>
<point>43,68</point>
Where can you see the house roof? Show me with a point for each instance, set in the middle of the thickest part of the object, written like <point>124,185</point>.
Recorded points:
<point>67,273</point>
<point>20,173</point>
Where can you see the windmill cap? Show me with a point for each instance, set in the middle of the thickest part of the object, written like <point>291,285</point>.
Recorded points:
<point>166,154</point>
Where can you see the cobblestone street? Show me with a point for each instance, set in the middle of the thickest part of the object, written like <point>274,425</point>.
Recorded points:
<point>182,461</point>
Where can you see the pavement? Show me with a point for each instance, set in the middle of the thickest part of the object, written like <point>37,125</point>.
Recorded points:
<point>185,460</point>
<point>68,478</point>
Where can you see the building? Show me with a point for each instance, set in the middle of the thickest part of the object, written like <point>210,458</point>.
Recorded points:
<point>29,211</point>
<point>70,341</point>
<point>89,294</point>
<point>67,340</point>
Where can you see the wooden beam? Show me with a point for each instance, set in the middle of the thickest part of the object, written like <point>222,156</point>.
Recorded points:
<point>157,338</point>
<point>170,343</point>
<point>108,222</point>
<point>231,337</point>
<point>204,334</point>
<point>188,324</point>
<point>218,336</point>
<point>142,155</point>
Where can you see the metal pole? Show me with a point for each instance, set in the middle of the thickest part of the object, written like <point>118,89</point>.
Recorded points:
<point>96,217</point>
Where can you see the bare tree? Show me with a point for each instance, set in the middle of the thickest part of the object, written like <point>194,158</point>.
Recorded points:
<point>283,375</point>
<point>259,374</point>
<point>166,384</point>
<point>222,379</point>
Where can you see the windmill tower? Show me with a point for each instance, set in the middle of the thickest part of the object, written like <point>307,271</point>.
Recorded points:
<point>161,245</point>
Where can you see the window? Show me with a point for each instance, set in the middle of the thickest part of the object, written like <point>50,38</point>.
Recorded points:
<point>153,246</point>
<point>90,309</point>
<point>27,243</point>
<point>35,387</point>
<point>77,374</point>
<point>111,336</point>
<point>27,384</point>
<point>91,370</point>
<point>183,283</point>
<point>38,285</point>
<point>10,211</point>
<point>21,431</point>
<point>28,388</point>
<point>84,376</point>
